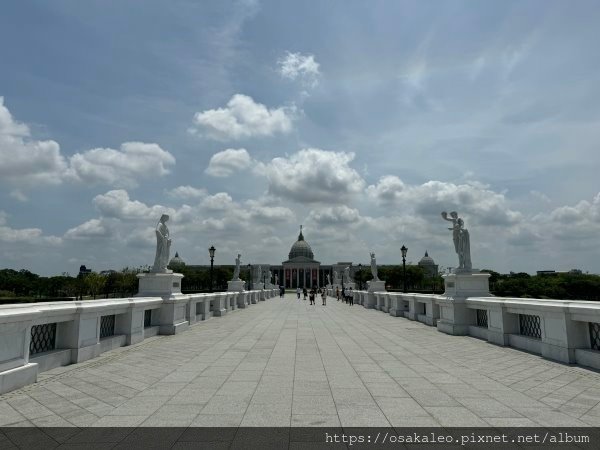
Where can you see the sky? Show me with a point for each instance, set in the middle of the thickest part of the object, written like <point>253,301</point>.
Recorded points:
<point>362,121</point>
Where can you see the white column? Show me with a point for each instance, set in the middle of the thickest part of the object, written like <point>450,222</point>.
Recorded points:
<point>297,276</point>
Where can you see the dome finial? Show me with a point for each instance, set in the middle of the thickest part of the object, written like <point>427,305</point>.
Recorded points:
<point>426,253</point>
<point>300,236</point>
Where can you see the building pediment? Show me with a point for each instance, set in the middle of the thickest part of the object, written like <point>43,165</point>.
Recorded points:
<point>301,260</point>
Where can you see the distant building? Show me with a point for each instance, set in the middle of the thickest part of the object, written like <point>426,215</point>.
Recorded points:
<point>83,271</point>
<point>429,265</point>
<point>176,262</point>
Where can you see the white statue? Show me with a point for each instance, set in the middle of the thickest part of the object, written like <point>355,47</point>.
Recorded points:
<point>374,267</point>
<point>328,280</point>
<point>460,237</point>
<point>336,277</point>
<point>270,276</point>
<point>276,280</point>
<point>236,271</point>
<point>258,274</point>
<point>347,274</point>
<point>163,245</point>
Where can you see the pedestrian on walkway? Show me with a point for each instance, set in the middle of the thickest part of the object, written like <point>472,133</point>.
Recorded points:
<point>324,297</point>
<point>298,291</point>
<point>350,297</point>
<point>337,293</point>
<point>312,296</point>
<point>305,292</point>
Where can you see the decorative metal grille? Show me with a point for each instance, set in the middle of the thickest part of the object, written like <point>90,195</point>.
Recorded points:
<point>43,338</point>
<point>530,326</point>
<point>482,319</point>
<point>107,326</point>
<point>595,335</point>
<point>147,318</point>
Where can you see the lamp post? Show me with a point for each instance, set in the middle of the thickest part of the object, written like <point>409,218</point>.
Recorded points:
<point>404,250</point>
<point>211,252</point>
<point>250,282</point>
<point>360,279</point>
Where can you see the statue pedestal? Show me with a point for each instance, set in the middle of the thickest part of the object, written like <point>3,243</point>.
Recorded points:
<point>235,286</point>
<point>351,285</point>
<point>376,286</point>
<point>464,284</point>
<point>163,284</point>
<point>173,311</point>
<point>455,316</point>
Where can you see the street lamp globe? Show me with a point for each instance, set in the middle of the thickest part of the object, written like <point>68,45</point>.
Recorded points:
<point>211,251</point>
<point>403,250</point>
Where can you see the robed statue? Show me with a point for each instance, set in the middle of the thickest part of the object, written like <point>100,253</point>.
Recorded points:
<point>374,267</point>
<point>163,245</point>
<point>236,271</point>
<point>460,237</point>
<point>347,274</point>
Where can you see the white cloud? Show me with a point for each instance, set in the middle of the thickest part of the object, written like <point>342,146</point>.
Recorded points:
<point>116,204</point>
<point>298,66</point>
<point>218,202</point>
<point>431,198</point>
<point>92,229</point>
<point>32,236</point>
<point>269,214</point>
<point>313,175</point>
<point>244,118</point>
<point>186,192</point>
<point>123,168</point>
<point>337,215</point>
<point>18,195</point>
<point>227,162</point>
<point>25,161</point>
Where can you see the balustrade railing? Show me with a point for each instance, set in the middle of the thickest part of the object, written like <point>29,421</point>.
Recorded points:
<point>43,338</point>
<point>529,325</point>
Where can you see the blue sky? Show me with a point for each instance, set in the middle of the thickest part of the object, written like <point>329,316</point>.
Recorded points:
<point>360,120</point>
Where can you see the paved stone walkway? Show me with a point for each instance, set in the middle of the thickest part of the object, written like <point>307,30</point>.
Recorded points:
<point>283,362</point>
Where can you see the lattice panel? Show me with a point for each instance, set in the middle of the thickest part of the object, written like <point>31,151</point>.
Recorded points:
<point>107,326</point>
<point>43,338</point>
<point>595,335</point>
<point>530,326</point>
<point>482,318</point>
<point>147,318</point>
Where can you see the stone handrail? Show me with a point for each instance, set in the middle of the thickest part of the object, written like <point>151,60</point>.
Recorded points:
<point>62,333</point>
<point>563,330</point>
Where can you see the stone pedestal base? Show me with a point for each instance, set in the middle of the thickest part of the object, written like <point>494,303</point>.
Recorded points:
<point>351,285</point>
<point>466,284</point>
<point>159,284</point>
<point>376,286</point>
<point>235,286</point>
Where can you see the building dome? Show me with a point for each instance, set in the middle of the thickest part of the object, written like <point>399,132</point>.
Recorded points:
<point>176,261</point>
<point>301,248</point>
<point>426,260</point>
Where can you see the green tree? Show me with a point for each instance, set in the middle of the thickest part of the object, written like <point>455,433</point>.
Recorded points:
<point>94,283</point>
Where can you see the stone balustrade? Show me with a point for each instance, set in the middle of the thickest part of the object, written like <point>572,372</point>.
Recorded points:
<point>562,330</point>
<point>41,336</point>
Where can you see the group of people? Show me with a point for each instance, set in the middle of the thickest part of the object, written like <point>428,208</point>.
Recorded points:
<point>312,294</point>
<point>346,295</point>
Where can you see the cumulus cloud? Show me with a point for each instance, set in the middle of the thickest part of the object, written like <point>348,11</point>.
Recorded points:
<point>337,215</point>
<point>313,175</point>
<point>243,118</point>
<point>27,162</point>
<point>269,214</point>
<point>227,162</point>
<point>92,229</point>
<point>123,167</point>
<point>23,160</point>
<point>32,236</point>
<point>295,66</point>
<point>429,199</point>
<point>186,192</point>
<point>117,204</point>
<point>218,202</point>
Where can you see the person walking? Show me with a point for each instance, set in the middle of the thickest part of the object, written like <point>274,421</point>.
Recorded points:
<point>337,293</point>
<point>324,296</point>
<point>305,292</point>
<point>312,296</point>
<point>350,297</point>
<point>298,291</point>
